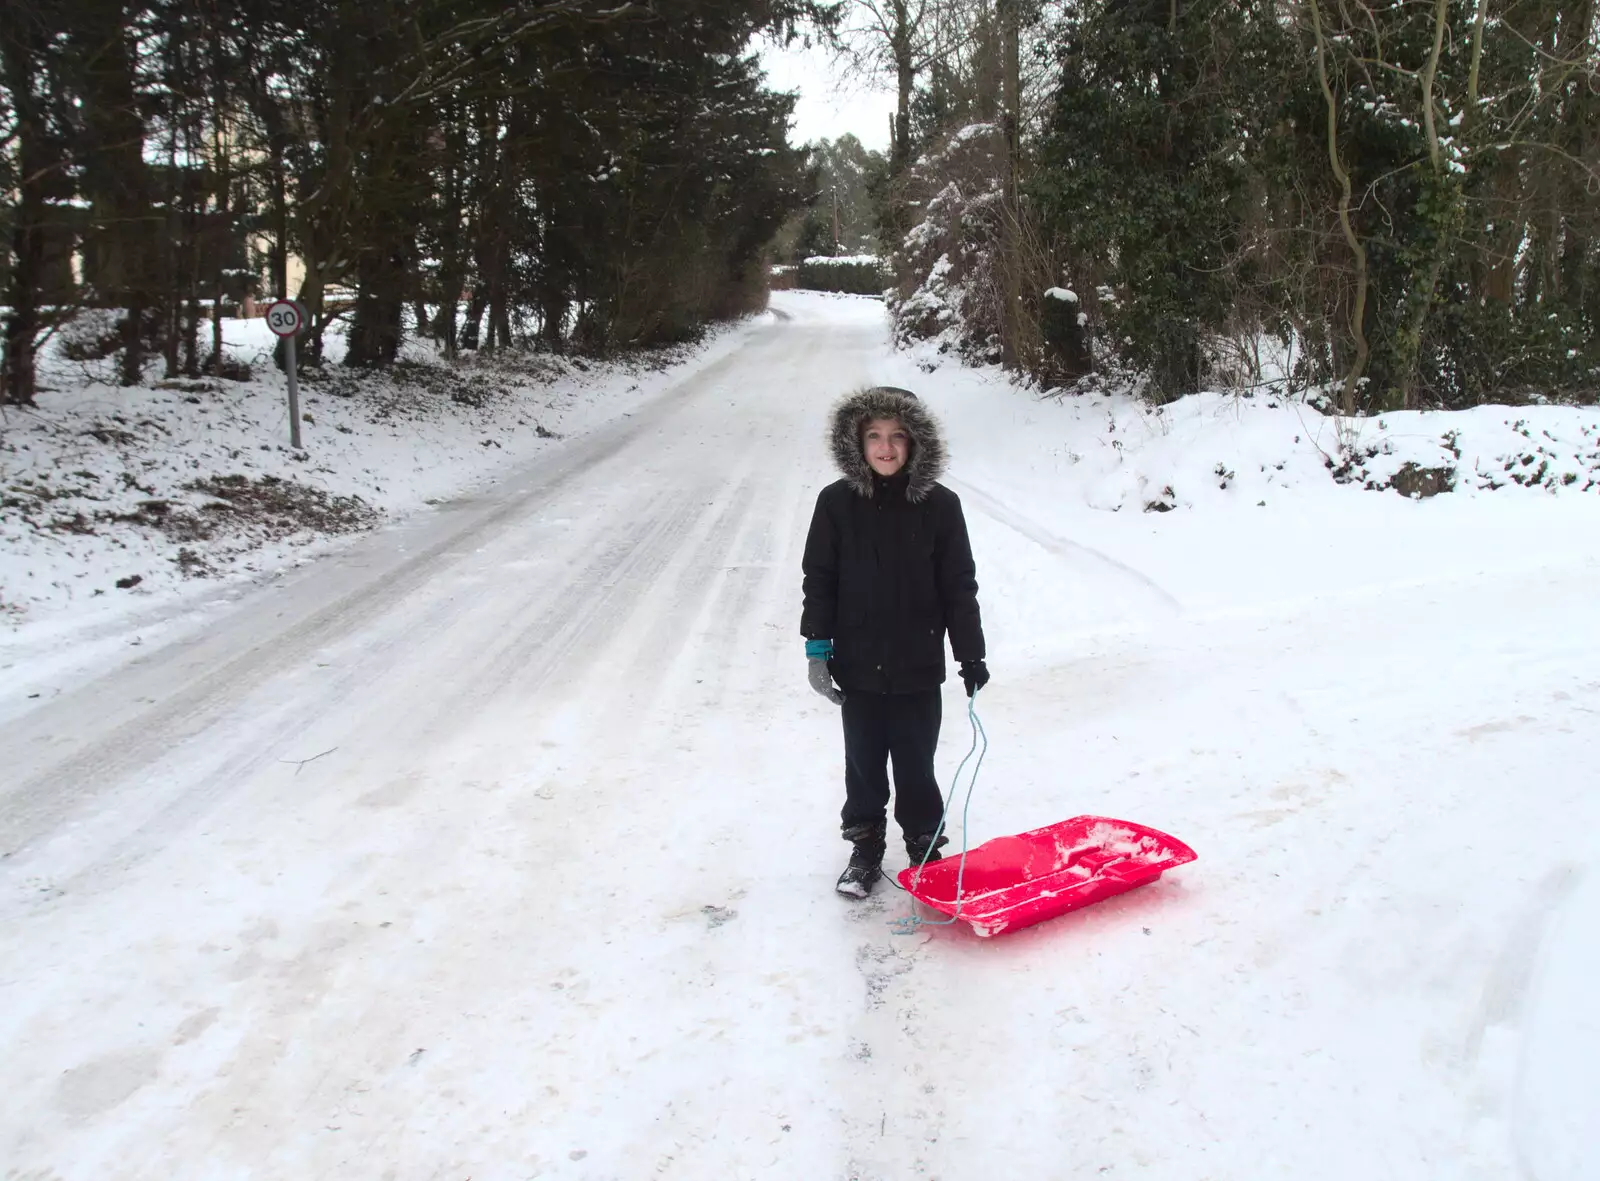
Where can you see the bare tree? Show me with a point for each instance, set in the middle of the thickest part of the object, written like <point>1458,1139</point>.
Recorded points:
<point>898,39</point>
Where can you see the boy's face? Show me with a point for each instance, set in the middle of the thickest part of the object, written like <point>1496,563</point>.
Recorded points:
<point>886,445</point>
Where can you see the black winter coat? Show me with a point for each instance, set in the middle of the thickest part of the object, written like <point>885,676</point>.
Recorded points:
<point>888,567</point>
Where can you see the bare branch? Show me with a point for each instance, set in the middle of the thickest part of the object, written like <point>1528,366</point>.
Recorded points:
<point>1358,311</point>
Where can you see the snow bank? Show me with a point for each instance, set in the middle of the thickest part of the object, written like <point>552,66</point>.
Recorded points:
<point>1212,450</point>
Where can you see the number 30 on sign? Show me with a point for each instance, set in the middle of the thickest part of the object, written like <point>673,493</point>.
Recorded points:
<point>287,317</point>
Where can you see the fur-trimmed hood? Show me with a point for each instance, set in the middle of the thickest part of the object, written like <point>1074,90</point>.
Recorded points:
<point>924,465</point>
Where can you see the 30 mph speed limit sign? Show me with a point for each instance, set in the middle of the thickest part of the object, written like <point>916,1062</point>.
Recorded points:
<point>286,317</point>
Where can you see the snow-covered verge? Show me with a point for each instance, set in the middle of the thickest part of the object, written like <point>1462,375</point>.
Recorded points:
<point>122,502</point>
<point>1213,450</point>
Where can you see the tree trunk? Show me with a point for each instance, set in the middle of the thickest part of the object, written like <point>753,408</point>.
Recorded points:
<point>553,308</point>
<point>376,330</point>
<point>1358,251</point>
<point>193,215</point>
<point>1441,217</point>
<point>324,220</point>
<point>378,327</point>
<point>1011,257</point>
<point>278,189</point>
<point>219,239</point>
<point>451,268</point>
<point>311,295</point>
<point>170,262</point>
<point>20,42</point>
<point>471,327</point>
<point>905,80</point>
<point>493,267</point>
<point>114,175</point>
<point>1579,136</point>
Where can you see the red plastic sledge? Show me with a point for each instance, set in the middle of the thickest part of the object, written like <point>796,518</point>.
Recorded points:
<point>1014,882</point>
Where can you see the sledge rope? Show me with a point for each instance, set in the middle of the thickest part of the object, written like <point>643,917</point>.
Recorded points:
<point>908,924</point>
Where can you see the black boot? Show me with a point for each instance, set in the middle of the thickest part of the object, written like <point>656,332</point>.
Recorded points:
<point>924,850</point>
<point>866,860</point>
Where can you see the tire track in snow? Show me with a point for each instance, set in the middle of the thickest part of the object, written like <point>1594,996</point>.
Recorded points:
<point>141,718</point>
<point>373,690</point>
<point>1558,1072</point>
<point>395,617</point>
<point>651,648</point>
<point>1071,551</point>
<point>555,637</point>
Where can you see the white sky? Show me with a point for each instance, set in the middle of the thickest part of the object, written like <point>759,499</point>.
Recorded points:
<point>829,104</point>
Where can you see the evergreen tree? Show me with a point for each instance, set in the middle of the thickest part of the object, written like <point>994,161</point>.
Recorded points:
<point>582,172</point>
<point>843,181</point>
<point>1142,172</point>
<point>1404,192</point>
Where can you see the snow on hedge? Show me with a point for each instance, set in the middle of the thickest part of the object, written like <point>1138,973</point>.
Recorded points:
<point>842,260</point>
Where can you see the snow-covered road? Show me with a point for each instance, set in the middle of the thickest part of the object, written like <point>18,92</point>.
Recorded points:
<point>501,844</point>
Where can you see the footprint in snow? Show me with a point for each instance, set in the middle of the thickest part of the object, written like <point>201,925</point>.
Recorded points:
<point>717,915</point>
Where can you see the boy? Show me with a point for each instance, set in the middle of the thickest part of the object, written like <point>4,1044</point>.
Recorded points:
<point>888,571</point>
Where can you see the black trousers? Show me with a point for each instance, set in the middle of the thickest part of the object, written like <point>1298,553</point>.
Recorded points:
<point>898,727</point>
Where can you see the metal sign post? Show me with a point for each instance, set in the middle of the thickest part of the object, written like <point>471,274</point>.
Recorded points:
<point>287,318</point>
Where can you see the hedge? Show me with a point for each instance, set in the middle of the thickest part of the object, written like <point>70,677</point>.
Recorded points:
<point>859,274</point>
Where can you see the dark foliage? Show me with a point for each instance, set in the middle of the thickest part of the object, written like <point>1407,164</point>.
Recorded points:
<point>1406,194</point>
<point>581,173</point>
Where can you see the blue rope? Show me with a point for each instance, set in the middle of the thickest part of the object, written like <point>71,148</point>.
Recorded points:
<point>908,924</point>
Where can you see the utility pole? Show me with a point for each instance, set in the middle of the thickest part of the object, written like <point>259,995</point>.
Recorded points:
<point>836,219</point>
<point>1011,119</point>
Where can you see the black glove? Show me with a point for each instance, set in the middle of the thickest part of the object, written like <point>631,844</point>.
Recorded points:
<point>974,674</point>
